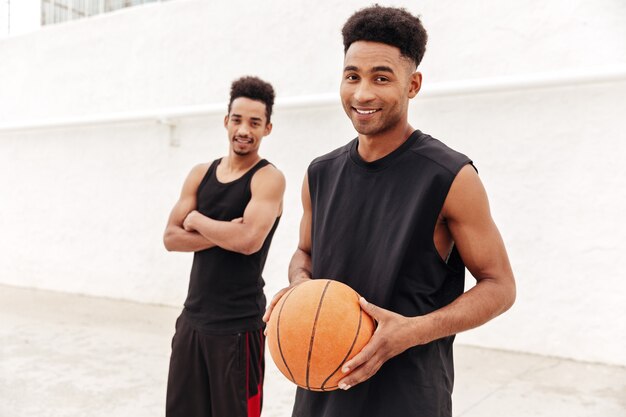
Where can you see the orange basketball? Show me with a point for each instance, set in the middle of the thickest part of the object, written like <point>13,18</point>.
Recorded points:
<point>314,329</point>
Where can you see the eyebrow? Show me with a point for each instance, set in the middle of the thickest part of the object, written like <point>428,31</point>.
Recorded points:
<point>240,116</point>
<point>378,68</point>
<point>382,68</point>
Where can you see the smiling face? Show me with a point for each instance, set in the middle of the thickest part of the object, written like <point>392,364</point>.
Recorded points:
<point>246,124</point>
<point>376,87</point>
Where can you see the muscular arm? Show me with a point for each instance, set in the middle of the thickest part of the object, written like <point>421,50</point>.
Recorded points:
<point>176,238</point>
<point>466,212</point>
<point>480,245</point>
<point>300,265</point>
<point>246,236</point>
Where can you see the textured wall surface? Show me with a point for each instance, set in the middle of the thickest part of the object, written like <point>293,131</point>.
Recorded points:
<point>82,210</point>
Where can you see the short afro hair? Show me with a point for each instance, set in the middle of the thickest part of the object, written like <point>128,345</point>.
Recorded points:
<point>389,25</point>
<point>253,88</point>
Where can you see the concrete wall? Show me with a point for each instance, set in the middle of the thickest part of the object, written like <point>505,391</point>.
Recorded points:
<point>82,210</point>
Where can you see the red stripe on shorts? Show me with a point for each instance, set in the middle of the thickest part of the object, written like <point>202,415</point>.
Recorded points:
<point>254,403</point>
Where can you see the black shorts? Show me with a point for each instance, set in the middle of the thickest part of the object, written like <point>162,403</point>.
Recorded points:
<point>215,375</point>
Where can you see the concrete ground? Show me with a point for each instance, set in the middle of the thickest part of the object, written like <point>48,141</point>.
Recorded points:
<point>67,355</point>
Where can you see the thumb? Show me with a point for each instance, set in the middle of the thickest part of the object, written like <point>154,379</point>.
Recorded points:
<point>371,309</point>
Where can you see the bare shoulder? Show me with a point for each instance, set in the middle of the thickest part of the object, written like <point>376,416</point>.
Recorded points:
<point>269,177</point>
<point>467,195</point>
<point>194,178</point>
<point>200,170</point>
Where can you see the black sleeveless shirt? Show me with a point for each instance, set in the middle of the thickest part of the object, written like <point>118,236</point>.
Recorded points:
<point>226,288</point>
<point>372,228</point>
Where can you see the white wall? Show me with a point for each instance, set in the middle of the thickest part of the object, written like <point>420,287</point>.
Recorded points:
<point>4,19</point>
<point>552,162</point>
<point>83,209</point>
<point>18,17</point>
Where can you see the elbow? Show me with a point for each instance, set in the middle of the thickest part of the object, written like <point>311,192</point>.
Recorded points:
<point>513,295</point>
<point>168,241</point>
<point>249,249</point>
<point>250,246</point>
<point>510,295</point>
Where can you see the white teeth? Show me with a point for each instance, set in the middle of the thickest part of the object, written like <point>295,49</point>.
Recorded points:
<point>365,111</point>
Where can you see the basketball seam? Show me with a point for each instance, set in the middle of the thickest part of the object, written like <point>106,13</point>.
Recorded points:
<point>280,348</point>
<point>317,314</point>
<point>356,336</point>
<point>326,389</point>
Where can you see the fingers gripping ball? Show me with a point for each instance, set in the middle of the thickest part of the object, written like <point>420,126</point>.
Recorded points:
<point>314,329</point>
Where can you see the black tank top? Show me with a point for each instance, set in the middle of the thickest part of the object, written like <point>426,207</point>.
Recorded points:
<point>372,228</point>
<point>226,288</point>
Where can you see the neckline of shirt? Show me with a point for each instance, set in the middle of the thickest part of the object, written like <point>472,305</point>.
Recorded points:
<point>219,161</point>
<point>386,160</point>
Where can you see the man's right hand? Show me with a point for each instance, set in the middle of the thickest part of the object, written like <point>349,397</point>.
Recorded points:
<point>279,295</point>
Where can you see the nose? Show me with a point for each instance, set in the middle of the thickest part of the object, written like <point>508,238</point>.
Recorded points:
<point>243,130</point>
<point>364,93</point>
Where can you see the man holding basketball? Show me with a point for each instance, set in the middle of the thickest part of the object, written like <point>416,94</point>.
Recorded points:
<point>227,214</point>
<point>397,215</point>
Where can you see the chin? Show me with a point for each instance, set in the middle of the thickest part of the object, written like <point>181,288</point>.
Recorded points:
<point>366,130</point>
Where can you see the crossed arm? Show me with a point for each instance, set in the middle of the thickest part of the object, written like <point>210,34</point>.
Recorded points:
<point>466,212</point>
<point>189,231</point>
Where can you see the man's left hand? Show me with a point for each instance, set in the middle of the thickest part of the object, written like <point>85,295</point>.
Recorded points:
<point>188,221</point>
<point>392,337</point>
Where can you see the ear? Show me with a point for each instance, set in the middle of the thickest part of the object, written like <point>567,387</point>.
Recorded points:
<point>268,129</point>
<point>226,121</point>
<point>415,83</point>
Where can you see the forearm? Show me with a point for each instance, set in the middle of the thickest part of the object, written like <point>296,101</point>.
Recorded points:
<point>300,266</point>
<point>485,301</point>
<point>179,240</point>
<point>396,333</point>
<point>233,236</point>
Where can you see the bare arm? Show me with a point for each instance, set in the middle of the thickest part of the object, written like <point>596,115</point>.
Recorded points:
<point>300,265</point>
<point>246,236</point>
<point>478,240</point>
<point>176,238</point>
<point>480,244</point>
